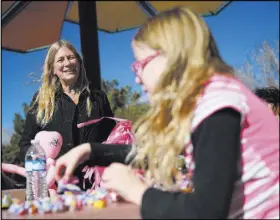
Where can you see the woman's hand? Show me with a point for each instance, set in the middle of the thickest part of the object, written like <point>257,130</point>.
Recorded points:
<point>67,163</point>
<point>124,181</point>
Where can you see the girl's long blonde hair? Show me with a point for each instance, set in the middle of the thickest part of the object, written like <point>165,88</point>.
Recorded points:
<point>193,58</point>
<point>44,104</point>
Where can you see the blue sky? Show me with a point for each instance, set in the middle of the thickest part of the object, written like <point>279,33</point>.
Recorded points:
<point>237,29</point>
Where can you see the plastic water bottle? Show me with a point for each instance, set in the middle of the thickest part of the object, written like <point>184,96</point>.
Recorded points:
<point>36,172</point>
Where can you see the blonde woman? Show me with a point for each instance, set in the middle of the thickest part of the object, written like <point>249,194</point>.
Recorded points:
<point>228,137</point>
<point>65,99</point>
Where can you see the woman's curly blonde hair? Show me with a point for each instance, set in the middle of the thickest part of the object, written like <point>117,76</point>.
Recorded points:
<point>44,103</point>
<point>193,57</point>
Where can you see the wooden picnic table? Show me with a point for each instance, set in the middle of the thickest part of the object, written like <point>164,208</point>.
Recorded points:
<point>121,210</point>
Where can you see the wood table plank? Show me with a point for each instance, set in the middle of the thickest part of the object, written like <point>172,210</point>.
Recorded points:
<point>121,210</point>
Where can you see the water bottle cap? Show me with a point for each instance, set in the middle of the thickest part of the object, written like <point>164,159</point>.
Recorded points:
<point>34,141</point>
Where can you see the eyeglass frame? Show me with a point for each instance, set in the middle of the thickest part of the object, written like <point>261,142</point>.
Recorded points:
<point>140,64</point>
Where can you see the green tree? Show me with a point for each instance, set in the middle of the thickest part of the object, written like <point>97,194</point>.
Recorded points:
<point>132,112</point>
<point>124,101</point>
<point>11,151</point>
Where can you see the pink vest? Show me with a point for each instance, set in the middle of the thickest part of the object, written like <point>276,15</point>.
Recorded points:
<point>256,193</point>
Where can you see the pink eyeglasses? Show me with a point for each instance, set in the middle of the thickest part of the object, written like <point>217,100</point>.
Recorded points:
<point>140,64</point>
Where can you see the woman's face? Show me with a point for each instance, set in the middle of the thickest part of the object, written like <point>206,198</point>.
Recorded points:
<point>66,66</point>
<point>148,67</point>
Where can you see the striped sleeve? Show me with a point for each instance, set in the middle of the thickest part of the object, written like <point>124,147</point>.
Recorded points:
<point>219,95</point>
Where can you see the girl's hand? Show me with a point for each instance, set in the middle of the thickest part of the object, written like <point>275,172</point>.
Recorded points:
<point>67,163</point>
<point>124,181</point>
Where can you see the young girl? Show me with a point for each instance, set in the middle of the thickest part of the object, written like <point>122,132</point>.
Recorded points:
<point>228,137</point>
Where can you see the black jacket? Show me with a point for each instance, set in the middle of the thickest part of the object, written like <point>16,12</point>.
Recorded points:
<point>65,119</point>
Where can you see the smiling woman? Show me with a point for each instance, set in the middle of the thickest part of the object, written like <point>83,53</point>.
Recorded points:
<point>66,68</point>
<point>65,99</point>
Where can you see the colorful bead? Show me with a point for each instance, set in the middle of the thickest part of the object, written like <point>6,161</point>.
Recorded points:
<point>98,198</point>
<point>6,201</point>
<point>99,204</point>
<point>32,210</point>
<point>68,193</point>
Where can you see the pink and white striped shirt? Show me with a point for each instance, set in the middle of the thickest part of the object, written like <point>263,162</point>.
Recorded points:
<point>256,192</point>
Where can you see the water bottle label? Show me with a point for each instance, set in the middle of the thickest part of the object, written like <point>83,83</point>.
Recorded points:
<point>28,166</point>
<point>35,165</point>
<point>38,165</point>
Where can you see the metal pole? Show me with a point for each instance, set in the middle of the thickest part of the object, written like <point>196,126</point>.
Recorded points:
<point>13,11</point>
<point>149,10</point>
<point>89,42</point>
